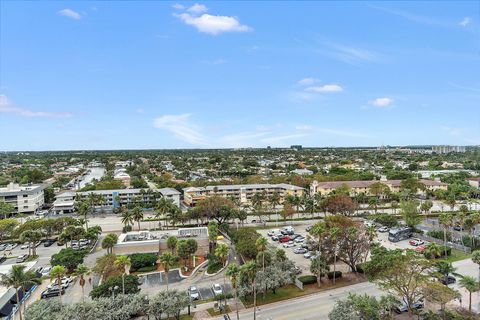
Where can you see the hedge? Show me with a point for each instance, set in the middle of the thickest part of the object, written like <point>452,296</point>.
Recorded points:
<point>338,274</point>
<point>142,260</point>
<point>438,234</point>
<point>309,279</point>
<point>147,269</point>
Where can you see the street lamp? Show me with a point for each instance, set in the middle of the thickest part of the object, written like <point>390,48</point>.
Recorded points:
<point>113,291</point>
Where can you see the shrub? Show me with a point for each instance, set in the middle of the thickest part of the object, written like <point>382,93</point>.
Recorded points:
<point>103,290</point>
<point>214,264</point>
<point>442,250</point>
<point>338,274</point>
<point>438,234</point>
<point>142,260</point>
<point>467,241</point>
<point>360,268</point>
<point>309,279</point>
<point>126,229</point>
<point>147,269</point>
<point>244,240</point>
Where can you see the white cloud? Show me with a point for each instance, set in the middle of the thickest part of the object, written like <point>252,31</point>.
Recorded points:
<point>8,107</point>
<point>352,55</point>
<point>240,140</point>
<point>213,24</point>
<point>70,13</point>
<point>325,88</point>
<point>197,8</point>
<point>181,127</point>
<point>178,6</point>
<point>342,133</point>
<point>307,81</point>
<point>382,102</point>
<point>466,21</point>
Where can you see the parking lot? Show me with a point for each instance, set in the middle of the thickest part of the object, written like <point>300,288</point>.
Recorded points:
<point>44,254</point>
<point>300,261</point>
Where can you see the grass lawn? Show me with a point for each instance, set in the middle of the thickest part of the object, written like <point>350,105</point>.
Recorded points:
<point>457,255</point>
<point>291,291</point>
<point>213,313</point>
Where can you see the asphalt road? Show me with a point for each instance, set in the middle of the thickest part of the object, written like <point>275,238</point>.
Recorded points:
<point>311,307</point>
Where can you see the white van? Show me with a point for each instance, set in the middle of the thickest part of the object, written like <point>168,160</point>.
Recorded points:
<point>288,230</point>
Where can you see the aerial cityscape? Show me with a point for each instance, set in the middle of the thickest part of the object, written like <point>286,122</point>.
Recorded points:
<point>264,160</point>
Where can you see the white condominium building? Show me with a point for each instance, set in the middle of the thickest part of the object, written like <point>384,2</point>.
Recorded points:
<point>25,198</point>
<point>240,192</point>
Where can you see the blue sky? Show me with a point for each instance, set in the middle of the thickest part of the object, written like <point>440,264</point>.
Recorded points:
<point>134,75</point>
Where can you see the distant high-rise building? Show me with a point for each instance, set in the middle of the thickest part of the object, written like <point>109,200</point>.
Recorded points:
<point>296,147</point>
<point>448,149</point>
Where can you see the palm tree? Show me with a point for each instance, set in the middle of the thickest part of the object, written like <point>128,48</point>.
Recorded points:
<point>164,205</point>
<point>168,260</point>
<point>82,270</point>
<point>174,215</point>
<point>334,232</point>
<point>261,245</point>
<point>127,217</point>
<point>471,285</point>
<point>221,251</point>
<point>58,272</point>
<point>373,203</point>
<point>123,262</point>
<point>445,268</point>
<point>319,230</point>
<point>18,279</point>
<point>31,236</point>
<point>433,250</point>
<point>137,215</point>
<point>250,271</point>
<point>445,220</point>
<point>82,209</point>
<point>233,272</point>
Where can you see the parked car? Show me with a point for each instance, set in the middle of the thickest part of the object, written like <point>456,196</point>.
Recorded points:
<point>36,244</point>
<point>383,229</point>
<point>307,255</point>
<point>10,246</point>
<point>21,258</point>
<point>298,270</point>
<point>299,239</point>
<point>49,242</point>
<point>193,293</point>
<point>416,242</point>
<point>3,259</point>
<point>300,250</point>
<point>447,280</point>
<point>458,228</point>
<point>48,293</point>
<point>273,232</point>
<point>421,248</point>
<point>404,308</point>
<point>308,228</point>
<point>2,246</point>
<point>285,239</point>
<point>217,289</point>
<point>289,244</point>
<point>24,246</point>
<point>44,271</point>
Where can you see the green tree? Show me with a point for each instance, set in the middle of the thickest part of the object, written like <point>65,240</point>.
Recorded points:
<point>18,279</point>
<point>123,263</point>
<point>109,242</point>
<point>6,209</point>
<point>57,273</point>
<point>127,218</point>
<point>471,285</point>
<point>82,271</point>
<point>168,260</point>
<point>261,245</point>
<point>68,258</point>
<point>233,272</point>
<point>476,259</point>
<point>319,267</point>
<point>172,243</point>
<point>409,212</point>
<point>137,215</point>
<point>446,221</point>
<point>31,236</point>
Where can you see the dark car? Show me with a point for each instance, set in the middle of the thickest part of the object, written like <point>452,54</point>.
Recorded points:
<point>54,292</point>
<point>3,259</point>
<point>447,280</point>
<point>49,242</point>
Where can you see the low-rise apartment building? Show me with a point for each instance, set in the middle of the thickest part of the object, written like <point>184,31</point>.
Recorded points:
<point>360,186</point>
<point>112,199</point>
<point>242,193</point>
<point>474,182</point>
<point>24,198</point>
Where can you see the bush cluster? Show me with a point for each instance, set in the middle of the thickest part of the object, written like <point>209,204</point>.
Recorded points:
<point>142,260</point>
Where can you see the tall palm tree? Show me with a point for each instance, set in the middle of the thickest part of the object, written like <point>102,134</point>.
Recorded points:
<point>58,272</point>
<point>81,271</point>
<point>127,217</point>
<point>318,230</point>
<point>471,285</point>
<point>261,245</point>
<point>164,205</point>
<point>123,262</point>
<point>445,220</point>
<point>250,271</point>
<point>233,271</point>
<point>137,215</point>
<point>18,279</point>
<point>168,260</point>
<point>476,259</point>
<point>334,232</point>
<point>221,251</point>
<point>174,215</point>
<point>82,209</point>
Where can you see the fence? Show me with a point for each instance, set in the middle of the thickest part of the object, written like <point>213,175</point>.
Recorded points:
<point>299,284</point>
<point>457,246</point>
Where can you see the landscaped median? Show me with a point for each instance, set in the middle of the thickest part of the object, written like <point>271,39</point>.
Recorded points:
<point>292,291</point>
